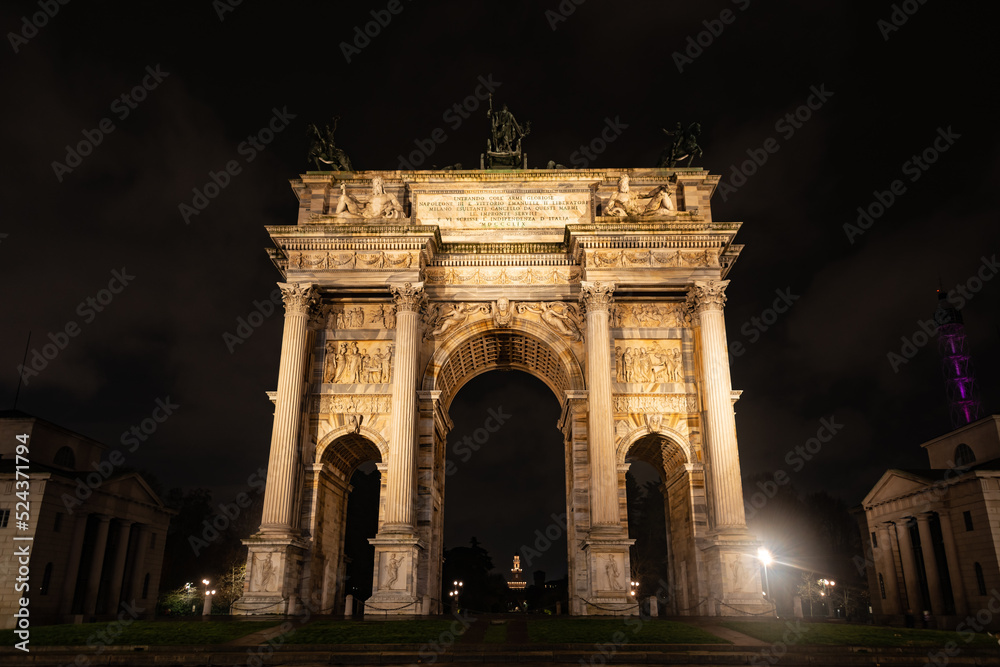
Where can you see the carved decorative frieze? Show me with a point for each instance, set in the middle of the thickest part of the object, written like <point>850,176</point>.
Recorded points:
<point>299,298</point>
<point>641,315</point>
<point>507,275</point>
<point>408,297</point>
<point>352,260</point>
<point>368,362</point>
<point>357,316</point>
<point>656,404</point>
<point>353,404</point>
<point>629,259</point>
<point>645,361</point>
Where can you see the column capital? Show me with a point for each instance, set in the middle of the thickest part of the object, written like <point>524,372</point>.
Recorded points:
<point>707,295</point>
<point>408,297</point>
<point>299,298</point>
<point>596,296</point>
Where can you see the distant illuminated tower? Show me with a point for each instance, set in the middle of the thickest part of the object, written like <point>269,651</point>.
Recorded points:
<point>516,581</point>
<point>956,364</point>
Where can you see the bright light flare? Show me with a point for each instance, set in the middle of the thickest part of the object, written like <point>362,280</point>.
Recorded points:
<point>765,556</point>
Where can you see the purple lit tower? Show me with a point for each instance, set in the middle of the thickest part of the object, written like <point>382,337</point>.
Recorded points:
<point>956,364</point>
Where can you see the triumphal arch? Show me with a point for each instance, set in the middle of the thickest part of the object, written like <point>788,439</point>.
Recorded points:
<point>401,286</point>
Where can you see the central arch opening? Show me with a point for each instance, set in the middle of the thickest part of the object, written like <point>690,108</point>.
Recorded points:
<point>505,493</point>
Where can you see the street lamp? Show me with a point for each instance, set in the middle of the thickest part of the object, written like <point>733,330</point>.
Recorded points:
<point>766,559</point>
<point>456,590</point>
<point>206,608</point>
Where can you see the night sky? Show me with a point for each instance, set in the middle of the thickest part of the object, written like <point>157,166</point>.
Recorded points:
<point>209,78</point>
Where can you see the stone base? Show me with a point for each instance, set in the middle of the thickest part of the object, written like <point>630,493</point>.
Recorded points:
<point>274,564</point>
<point>610,571</point>
<point>394,584</point>
<point>734,575</point>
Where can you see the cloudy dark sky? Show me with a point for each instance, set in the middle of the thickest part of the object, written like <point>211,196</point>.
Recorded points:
<point>888,94</point>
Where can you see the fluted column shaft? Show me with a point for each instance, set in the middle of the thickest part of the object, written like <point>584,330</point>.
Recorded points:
<point>402,422</point>
<point>887,568</point>
<point>707,300</point>
<point>96,565</point>
<point>73,565</point>
<point>597,298</point>
<point>909,560</point>
<point>118,566</point>
<point>139,562</point>
<point>954,567</point>
<point>279,494</point>
<point>930,564</point>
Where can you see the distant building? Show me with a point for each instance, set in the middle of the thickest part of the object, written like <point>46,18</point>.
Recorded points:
<point>516,581</point>
<point>97,535</point>
<point>934,533</point>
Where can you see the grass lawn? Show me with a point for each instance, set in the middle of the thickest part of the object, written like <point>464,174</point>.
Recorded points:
<point>154,633</point>
<point>496,634</point>
<point>832,634</point>
<point>630,630</point>
<point>370,632</point>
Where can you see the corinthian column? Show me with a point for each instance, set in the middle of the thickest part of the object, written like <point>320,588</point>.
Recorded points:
<point>402,424</point>
<point>597,298</point>
<point>280,492</point>
<point>706,300</point>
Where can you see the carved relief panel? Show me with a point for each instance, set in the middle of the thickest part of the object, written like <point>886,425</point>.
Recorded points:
<point>358,362</point>
<point>648,361</point>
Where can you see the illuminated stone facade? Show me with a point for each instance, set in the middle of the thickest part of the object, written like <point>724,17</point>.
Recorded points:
<point>608,285</point>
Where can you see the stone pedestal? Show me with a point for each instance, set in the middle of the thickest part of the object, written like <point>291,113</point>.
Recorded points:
<point>610,571</point>
<point>273,567</point>
<point>735,587</point>
<point>394,586</point>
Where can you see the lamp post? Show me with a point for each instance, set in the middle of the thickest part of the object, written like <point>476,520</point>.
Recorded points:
<point>456,591</point>
<point>207,607</point>
<point>766,559</point>
<point>827,585</point>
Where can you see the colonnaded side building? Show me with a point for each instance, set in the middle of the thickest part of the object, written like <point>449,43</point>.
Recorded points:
<point>400,286</point>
